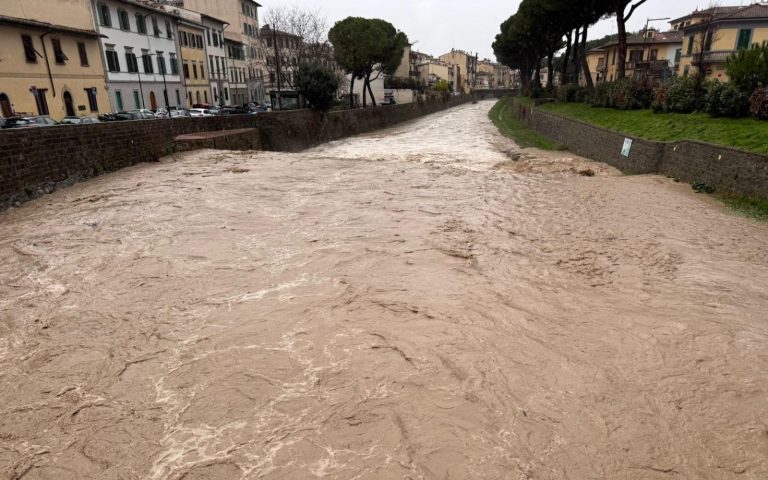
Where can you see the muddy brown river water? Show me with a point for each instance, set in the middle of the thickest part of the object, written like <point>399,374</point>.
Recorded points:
<point>409,304</point>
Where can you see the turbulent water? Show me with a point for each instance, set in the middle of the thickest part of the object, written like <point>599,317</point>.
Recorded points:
<point>426,302</point>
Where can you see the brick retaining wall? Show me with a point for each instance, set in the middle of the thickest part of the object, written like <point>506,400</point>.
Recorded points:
<point>37,161</point>
<point>726,169</point>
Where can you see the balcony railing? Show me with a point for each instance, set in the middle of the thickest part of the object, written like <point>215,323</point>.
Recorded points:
<point>719,56</point>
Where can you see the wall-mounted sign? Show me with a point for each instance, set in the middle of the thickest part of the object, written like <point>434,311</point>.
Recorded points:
<point>627,147</point>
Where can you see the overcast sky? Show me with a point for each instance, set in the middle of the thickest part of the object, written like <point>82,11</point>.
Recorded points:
<point>439,25</point>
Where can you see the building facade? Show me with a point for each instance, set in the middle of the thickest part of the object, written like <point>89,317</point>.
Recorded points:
<point>714,34</point>
<point>217,59</point>
<point>433,71</point>
<point>194,63</point>
<point>50,63</point>
<point>140,54</point>
<point>241,34</point>
<point>465,66</point>
<point>650,54</point>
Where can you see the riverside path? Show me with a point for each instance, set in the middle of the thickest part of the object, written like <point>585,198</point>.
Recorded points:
<point>423,302</point>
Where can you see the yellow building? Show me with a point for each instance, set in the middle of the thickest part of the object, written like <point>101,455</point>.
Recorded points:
<point>50,61</point>
<point>651,54</point>
<point>597,67</point>
<point>432,71</point>
<point>193,59</point>
<point>465,68</point>
<point>714,34</point>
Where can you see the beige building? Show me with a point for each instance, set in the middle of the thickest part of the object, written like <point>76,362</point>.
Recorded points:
<point>432,71</point>
<point>650,54</point>
<point>465,66</point>
<point>714,34</point>
<point>193,63</point>
<point>50,62</point>
<point>241,33</point>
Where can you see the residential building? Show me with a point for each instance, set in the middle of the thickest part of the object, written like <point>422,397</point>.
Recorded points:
<point>714,34</point>
<point>50,63</point>
<point>241,34</point>
<point>465,65</point>
<point>493,75</point>
<point>281,70</point>
<point>142,59</point>
<point>433,71</point>
<point>650,54</point>
<point>239,92</point>
<point>194,61</point>
<point>217,58</point>
<point>597,67</point>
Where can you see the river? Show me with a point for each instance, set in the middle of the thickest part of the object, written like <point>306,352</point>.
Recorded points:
<point>424,302</point>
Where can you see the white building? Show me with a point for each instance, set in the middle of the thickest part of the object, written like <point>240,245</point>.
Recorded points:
<point>217,58</point>
<point>141,55</point>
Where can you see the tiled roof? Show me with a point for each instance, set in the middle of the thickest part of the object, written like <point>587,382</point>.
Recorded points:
<point>674,36</point>
<point>46,26</point>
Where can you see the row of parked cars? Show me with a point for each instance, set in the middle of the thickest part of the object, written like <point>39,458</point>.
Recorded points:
<point>140,114</point>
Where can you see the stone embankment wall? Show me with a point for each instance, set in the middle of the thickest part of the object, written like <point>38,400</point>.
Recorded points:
<point>37,161</point>
<point>726,169</point>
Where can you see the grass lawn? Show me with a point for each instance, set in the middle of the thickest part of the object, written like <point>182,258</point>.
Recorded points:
<point>503,116</point>
<point>746,134</point>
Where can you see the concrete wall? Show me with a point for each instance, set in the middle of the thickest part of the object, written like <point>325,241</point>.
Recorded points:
<point>726,169</point>
<point>37,161</point>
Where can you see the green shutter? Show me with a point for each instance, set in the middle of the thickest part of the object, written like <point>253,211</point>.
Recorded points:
<point>691,39</point>
<point>744,38</point>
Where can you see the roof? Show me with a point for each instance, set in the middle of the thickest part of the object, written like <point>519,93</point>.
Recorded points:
<point>46,26</point>
<point>754,11</point>
<point>674,36</point>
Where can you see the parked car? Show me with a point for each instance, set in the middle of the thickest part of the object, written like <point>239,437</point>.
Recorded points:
<point>143,114</point>
<point>79,120</point>
<point>200,112</point>
<point>43,120</point>
<point>161,113</point>
<point>178,113</point>
<point>215,110</point>
<point>233,111</point>
<point>18,122</point>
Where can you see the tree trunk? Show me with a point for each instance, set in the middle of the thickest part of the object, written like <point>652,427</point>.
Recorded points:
<point>537,74</point>
<point>352,92</point>
<point>573,75</point>
<point>621,68</point>
<point>583,58</point>
<point>564,69</point>
<point>365,93</point>
<point>370,90</point>
<point>551,70</point>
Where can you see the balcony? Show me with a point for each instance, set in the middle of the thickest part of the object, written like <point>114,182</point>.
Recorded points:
<point>719,56</point>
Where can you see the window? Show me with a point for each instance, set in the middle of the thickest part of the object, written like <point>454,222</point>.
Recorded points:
<point>208,36</point>
<point>178,97</point>
<point>130,60</point>
<point>41,101</point>
<point>146,59</point>
<point>122,18</point>
<point>218,70</point>
<point>205,95</point>
<point>141,24</point>
<point>174,65</point>
<point>215,39</point>
<point>92,101</point>
<point>136,99</point>
<point>161,64</point>
<point>210,62</point>
<point>119,100</point>
<point>691,39</point>
<point>105,19</point>
<point>678,54</point>
<point>613,61</point>
<point>708,41</point>
<point>202,71</point>
<point>29,49</point>
<point>168,30</point>
<point>183,36</point>
<point>186,70</point>
<point>83,54</point>
<point>58,53</point>
<point>745,38</point>
<point>226,93</point>
<point>686,70</point>
<point>155,27</point>
<point>194,70</point>
<point>113,63</point>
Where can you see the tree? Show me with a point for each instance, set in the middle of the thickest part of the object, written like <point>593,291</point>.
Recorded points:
<point>298,36</point>
<point>623,9</point>
<point>705,35</point>
<point>748,68</point>
<point>367,46</point>
<point>318,84</point>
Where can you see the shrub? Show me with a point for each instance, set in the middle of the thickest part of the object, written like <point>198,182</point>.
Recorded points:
<point>726,100</point>
<point>678,96</point>
<point>624,94</point>
<point>601,96</point>
<point>318,84</point>
<point>571,93</point>
<point>748,68</point>
<point>759,103</point>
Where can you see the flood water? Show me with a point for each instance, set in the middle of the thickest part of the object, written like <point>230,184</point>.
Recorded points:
<point>425,302</point>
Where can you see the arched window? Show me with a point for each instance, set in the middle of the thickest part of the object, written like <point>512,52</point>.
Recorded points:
<point>6,109</point>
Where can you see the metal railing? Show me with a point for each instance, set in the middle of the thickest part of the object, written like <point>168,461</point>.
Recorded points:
<point>719,56</point>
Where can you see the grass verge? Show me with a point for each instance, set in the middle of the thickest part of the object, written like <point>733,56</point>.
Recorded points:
<point>503,116</point>
<point>744,133</point>
<point>749,207</point>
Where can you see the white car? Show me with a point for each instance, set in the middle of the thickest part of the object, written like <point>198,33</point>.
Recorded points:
<point>200,112</point>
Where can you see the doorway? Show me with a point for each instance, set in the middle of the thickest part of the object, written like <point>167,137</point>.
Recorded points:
<point>152,101</point>
<point>69,105</point>
<point>5,106</point>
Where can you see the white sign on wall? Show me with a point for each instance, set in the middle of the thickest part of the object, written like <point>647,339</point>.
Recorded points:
<point>627,147</point>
